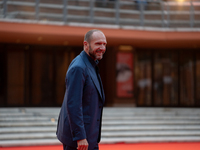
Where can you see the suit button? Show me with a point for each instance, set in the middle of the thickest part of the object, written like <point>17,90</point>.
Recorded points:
<point>99,106</point>
<point>97,119</point>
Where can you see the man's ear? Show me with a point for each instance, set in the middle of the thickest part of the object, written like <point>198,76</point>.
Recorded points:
<point>86,44</point>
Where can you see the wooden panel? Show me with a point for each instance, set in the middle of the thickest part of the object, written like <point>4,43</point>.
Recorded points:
<point>186,79</point>
<point>107,73</point>
<point>197,78</point>
<point>3,75</point>
<point>42,76</point>
<point>62,63</point>
<point>15,76</point>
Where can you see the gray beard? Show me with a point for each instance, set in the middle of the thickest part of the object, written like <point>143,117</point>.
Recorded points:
<point>93,55</point>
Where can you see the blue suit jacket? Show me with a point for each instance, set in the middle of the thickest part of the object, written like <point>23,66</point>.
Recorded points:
<point>81,112</point>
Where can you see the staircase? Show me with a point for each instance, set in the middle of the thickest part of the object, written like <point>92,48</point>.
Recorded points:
<point>37,126</point>
<point>28,126</point>
<point>151,125</point>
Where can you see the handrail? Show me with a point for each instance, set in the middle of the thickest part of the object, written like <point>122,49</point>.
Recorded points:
<point>139,13</point>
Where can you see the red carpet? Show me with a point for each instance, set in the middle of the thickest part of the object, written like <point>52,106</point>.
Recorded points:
<point>136,146</point>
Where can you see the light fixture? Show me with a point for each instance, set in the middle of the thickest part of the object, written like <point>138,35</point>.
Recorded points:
<point>180,1</point>
<point>125,48</point>
<point>40,38</point>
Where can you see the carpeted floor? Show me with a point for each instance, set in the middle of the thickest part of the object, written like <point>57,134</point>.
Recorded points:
<point>121,146</point>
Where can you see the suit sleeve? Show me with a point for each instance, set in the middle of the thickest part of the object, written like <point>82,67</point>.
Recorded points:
<point>75,80</point>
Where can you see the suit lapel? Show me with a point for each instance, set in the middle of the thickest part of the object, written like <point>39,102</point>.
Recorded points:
<point>93,75</point>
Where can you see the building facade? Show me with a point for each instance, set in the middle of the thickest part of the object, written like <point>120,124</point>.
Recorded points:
<point>142,67</point>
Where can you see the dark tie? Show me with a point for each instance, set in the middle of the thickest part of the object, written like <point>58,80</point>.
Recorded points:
<point>97,69</point>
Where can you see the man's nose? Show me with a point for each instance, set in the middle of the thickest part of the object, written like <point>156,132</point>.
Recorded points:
<point>103,47</point>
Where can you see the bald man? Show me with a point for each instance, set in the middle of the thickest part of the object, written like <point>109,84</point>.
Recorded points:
<point>79,123</point>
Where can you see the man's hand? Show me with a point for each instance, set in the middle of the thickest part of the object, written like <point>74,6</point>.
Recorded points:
<point>82,144</point>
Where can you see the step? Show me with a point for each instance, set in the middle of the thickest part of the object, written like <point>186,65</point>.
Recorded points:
<point>145,128</point>
<point>29,142</point>
<point>151,111</point>
<point>9,130</point>
<point>105,118</point>
<point>104,123</point>
<point>130,117</point>
<point>31,129</point>
<point>149,139</point>
<point>151,128</point>
<point>151,122</point>
<point>13,136</point>
<point>24,118</point>
<point>24,124</point>
<point>149,133</point>
<point>111,134</point>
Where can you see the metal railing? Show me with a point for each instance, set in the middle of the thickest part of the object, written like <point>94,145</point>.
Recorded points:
<point>136,13</point>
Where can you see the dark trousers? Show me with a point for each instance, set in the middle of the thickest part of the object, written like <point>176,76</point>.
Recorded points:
<point>65,147</point>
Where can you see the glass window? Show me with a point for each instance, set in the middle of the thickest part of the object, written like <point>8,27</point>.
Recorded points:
<point>186,79</point>
<point>165,79</point>
<point>143,78</point>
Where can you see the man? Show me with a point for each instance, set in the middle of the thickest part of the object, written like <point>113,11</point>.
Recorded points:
<point>79,123</point>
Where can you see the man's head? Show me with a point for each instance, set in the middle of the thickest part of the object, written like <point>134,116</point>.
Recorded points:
<point>95,44</point>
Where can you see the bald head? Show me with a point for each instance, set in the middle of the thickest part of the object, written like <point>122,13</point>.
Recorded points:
<point>95,44</point>
<point>88,35</point>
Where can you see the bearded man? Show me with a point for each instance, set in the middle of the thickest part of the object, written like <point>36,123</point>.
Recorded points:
<point>79,122</point>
